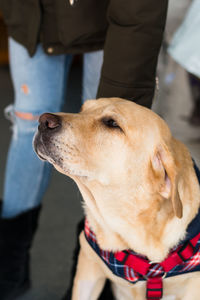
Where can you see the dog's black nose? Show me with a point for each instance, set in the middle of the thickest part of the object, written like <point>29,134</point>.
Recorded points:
<point>49,121</point>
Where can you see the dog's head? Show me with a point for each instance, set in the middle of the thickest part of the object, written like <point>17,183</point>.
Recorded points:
<point>113,142</point>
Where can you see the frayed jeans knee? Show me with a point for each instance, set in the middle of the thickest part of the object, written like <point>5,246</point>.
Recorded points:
<point>26,176</point>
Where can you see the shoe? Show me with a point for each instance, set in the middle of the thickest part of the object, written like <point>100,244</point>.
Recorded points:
<point>16,236</point>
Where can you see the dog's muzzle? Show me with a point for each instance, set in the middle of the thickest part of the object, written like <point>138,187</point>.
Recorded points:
<point>49,125</point>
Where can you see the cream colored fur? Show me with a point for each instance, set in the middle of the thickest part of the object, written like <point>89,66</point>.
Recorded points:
<point>139,188</point>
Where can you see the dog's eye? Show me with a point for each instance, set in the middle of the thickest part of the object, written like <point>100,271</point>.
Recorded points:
<point>111,123</point>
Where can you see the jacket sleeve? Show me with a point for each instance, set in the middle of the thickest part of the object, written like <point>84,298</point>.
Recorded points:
<point>131,49</point>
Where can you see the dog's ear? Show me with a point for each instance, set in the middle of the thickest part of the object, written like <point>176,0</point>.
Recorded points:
<point>166,172</point>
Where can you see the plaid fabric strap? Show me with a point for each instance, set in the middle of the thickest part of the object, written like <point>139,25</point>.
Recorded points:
<point>154,288</point>
<point>133,267</point>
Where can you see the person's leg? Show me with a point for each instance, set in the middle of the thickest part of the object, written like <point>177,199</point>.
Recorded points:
<point>39,86</point>
<point>92,63</point>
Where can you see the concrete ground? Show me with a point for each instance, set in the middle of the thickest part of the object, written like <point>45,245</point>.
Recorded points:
<point>54,242</point>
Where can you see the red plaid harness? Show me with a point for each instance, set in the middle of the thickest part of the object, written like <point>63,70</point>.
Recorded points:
<point>134,267</point>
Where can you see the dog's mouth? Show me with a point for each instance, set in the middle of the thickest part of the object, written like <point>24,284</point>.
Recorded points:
<point>45,149</point>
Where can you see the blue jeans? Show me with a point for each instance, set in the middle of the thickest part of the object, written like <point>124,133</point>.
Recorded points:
<point>39,86</point>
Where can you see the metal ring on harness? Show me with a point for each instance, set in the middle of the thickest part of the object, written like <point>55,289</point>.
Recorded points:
<point>155,263</point>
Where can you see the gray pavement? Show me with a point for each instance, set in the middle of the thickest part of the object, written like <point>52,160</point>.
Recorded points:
<point>54,242</point>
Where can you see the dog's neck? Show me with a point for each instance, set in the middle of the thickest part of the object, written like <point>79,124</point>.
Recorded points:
<point>151,231</point>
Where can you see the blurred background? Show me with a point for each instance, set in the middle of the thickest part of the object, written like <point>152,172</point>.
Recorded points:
<point>54,242</point>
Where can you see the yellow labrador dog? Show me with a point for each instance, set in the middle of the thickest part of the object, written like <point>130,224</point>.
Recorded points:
<point>141,200</point>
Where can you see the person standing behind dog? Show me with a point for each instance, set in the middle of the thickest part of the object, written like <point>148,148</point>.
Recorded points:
<point>43,37</point>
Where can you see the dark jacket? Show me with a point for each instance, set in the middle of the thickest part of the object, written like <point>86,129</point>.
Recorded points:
<point>129,31</point>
